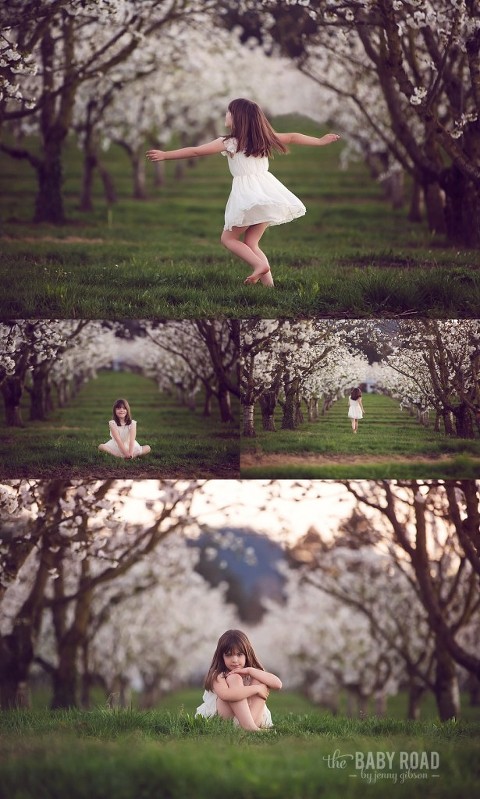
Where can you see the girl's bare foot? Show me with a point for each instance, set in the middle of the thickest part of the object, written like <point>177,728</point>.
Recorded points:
<point>255,276</point>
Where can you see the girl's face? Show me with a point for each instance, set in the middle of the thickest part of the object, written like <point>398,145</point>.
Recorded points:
<point>235,659</point>
<point>228,120</point>
<point>121,412</point>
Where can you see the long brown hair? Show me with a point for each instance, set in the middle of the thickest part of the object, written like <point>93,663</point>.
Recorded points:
<point>230,640</point>
<point>356,394</point>
<point>252,130</point>
<point>119,404</point>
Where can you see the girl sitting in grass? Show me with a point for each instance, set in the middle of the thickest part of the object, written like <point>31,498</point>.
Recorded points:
<point>123,430</point>
<point>257,199</point>
<point>355,408</point>
<point>237,685</point>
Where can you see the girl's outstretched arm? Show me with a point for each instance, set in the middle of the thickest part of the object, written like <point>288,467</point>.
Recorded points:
<point>268,679</point>
<point>312,141</point>
<point>215,146</point>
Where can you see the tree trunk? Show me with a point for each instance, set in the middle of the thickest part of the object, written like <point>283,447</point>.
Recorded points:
<point>290,408</point>
<point>207,405</point>
<point>435,208</point>
<point>415,696</point>
<point>64,678</point>
<point>415,212</point>
<point>462,210</point>
<point>108,185</point>
<point>463,422</point>
<point>225,406</point>
<point>38,397</point>
<point>12,390</point>
<point>49,200</point>
<point>89,164</point>
<point>447,694</point>
<point>312,409</point>
<point>268,402</point>
<point>248,423</point>
<point>139,177</point>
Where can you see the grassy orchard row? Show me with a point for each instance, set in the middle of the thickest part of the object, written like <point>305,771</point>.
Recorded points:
<point>351,255</point>
<point>389,443</point>
<point>184,443</point>
<point>169,753</point>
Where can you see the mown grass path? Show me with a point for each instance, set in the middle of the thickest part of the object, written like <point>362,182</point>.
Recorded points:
<point>163,754</point>
<point>350,256</point>
<point>184,444</point>
<point>390,443</point>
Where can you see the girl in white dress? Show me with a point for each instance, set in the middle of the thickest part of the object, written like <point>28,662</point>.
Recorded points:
<point>123,430</point>
<point>355,408</point>
<point>237,685</point>
<point>257,199</point>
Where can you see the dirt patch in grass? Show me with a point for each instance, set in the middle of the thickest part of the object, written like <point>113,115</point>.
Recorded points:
<point>106,472</point>
<point>249,459</point>
<point>61,240</point>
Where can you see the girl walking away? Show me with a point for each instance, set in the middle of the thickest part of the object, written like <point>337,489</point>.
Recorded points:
<point>257,199</point>
<point>237,685</point>
<point>123,430</point>
<point>355,408</point>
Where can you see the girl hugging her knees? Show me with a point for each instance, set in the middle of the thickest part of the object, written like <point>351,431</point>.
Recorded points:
<point>237,685</point>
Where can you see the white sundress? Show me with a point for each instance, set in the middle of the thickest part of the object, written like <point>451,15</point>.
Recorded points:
<point>124,433</point>
<point>354,409</point>
<point>209,709</point>
<point>256,195</point>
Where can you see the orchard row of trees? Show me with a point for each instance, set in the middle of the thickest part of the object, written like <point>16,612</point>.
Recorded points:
<point>124,72</point>
<point>387,602</point>
<point>54,358</point>
<point>399,78</point>
<point>403,80</point>
<point>428,365</point>
<point>390,601</point>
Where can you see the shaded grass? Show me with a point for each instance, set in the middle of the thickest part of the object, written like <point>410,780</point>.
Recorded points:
<point>183,443</point>
<point>389,444</point>
<point>351,255</point>
<point>157,754</point>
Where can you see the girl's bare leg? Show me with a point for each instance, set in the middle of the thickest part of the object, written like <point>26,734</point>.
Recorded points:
<point>257,705</point>
<point>231,240</point>
<point>145,451</point>
<point>252,238</point>
<point>104,448</point>
<point>240,710</point>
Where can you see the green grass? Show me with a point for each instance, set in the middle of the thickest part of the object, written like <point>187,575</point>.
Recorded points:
<point>389,444</point>
<point>132,754</point>
<point>351,255</point>
<point>183,443</point>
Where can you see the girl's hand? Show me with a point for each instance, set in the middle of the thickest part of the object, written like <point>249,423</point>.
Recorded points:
<point>239,670</point>
<point>329,138</point>
<point>263,691</point>
<point>156,155</point>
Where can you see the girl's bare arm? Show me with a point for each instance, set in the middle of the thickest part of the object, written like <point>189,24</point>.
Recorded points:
<point>212,147</point>
<point>268,679</point>
<point>312,141</point>
<point>234,693</point>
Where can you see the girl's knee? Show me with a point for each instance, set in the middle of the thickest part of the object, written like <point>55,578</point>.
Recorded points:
<point>224,238</point>
<point>235,680</point>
